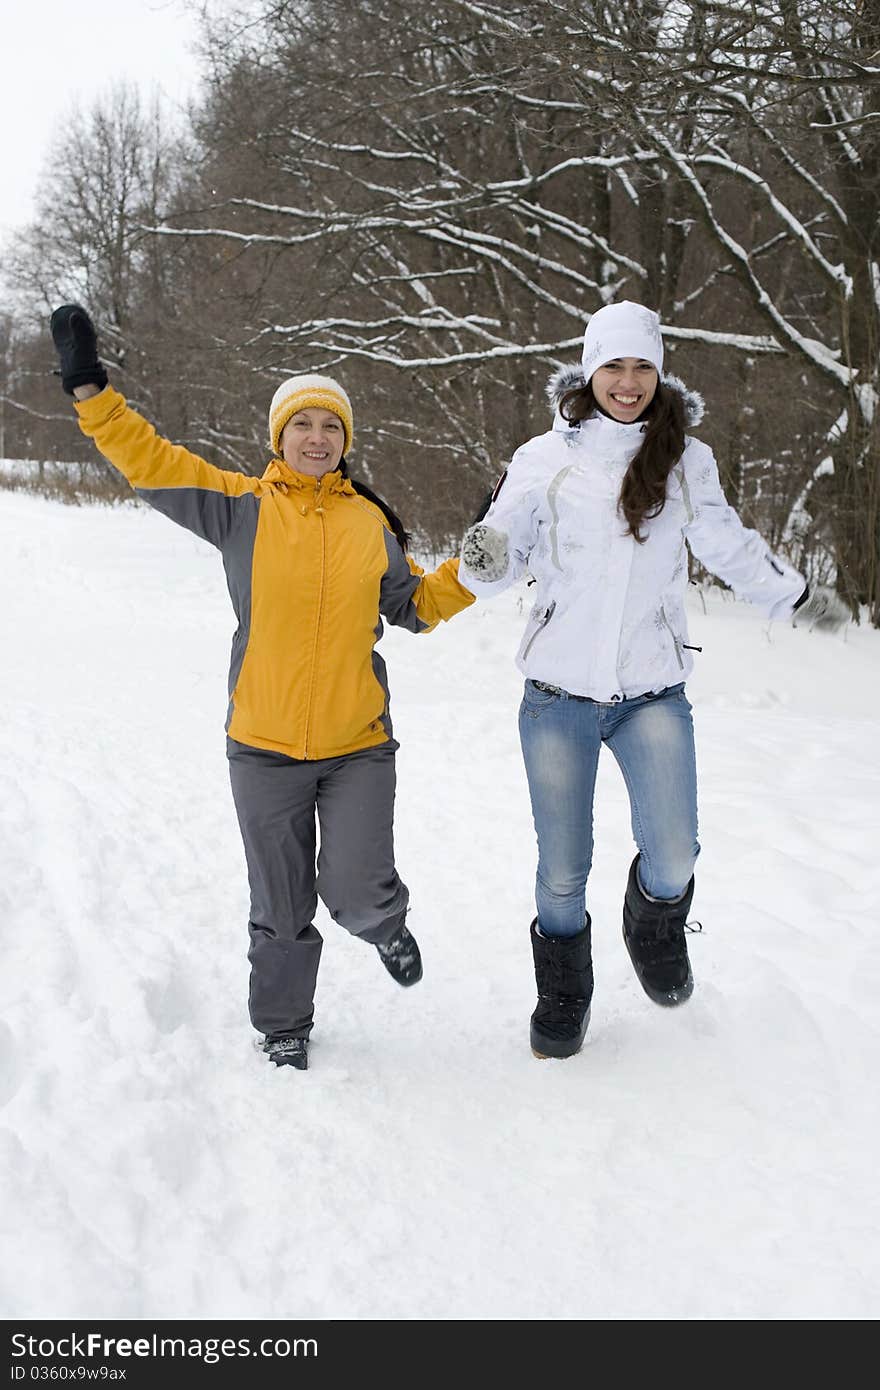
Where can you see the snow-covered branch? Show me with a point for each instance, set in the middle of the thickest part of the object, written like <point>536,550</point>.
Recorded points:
<point>818,353</point>
<point>837,273</point>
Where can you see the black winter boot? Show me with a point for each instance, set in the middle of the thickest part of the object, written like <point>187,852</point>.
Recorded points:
<point>401,957</point>
<point>564,976</point>
<point>286,1051</point>
<point>653,929</point>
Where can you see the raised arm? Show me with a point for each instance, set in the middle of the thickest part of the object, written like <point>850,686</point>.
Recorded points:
<point>192,492</point>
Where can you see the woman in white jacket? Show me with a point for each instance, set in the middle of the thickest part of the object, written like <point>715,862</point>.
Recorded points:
<point>600,510</point>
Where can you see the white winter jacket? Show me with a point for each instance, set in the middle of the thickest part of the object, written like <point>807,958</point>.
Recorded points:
<point>608,619</point>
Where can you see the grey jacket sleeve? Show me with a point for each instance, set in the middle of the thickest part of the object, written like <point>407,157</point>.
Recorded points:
<point>415,600</point>
<point>196,494</point>
<point>398,587</point>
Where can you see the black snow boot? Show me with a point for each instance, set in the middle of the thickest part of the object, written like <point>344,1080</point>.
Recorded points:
<point>564,976</point>
<point>288,1052</point>
<point>653,929</point>
<point>401,957</point>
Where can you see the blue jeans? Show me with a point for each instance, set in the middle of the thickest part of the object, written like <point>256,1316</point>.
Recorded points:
<point>652,738</point>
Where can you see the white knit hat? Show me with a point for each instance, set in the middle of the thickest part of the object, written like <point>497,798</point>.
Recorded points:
<point>622,330</point>
<point>303,392</point>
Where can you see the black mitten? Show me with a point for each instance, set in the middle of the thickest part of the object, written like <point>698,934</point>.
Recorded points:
<point>76,343</point>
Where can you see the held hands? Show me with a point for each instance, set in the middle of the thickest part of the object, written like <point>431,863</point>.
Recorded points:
<point>485,553</point>
<point>76,343</point>
<point>822,608</point>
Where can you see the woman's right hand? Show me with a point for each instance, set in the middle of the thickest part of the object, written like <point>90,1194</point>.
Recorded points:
<point>485,552</point>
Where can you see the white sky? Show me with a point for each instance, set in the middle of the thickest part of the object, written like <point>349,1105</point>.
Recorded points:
<point>55,54</point>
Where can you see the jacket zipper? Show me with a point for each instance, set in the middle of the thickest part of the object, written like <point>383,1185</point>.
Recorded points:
<point>540,628</point>
<point>319,512</point>
<point>675,641</point>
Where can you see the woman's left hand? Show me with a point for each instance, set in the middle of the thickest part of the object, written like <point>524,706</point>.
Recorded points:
<point>824,609</point>
<point>76,343</point>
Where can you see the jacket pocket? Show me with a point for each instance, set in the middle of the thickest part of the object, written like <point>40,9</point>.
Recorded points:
<point>676,641</point>
<point>541,618</point>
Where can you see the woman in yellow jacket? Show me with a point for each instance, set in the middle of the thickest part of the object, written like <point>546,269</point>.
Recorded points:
<point>313,563</point>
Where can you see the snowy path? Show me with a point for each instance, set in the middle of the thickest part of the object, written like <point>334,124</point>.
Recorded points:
<point>715,1162</point>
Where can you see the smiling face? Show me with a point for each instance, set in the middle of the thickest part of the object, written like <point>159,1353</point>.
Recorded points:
<point>625,387</point>
<point>312,442</point>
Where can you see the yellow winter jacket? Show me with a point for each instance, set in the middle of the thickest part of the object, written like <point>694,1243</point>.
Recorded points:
<point>312,568</point>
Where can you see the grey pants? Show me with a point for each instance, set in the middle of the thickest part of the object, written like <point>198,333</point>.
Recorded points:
<point>276,799</point>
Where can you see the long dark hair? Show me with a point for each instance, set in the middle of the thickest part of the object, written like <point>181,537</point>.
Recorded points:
<point>390,516</point>
<point>643,490</point>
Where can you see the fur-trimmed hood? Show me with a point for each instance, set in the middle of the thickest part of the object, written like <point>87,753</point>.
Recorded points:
<point>570,377</point>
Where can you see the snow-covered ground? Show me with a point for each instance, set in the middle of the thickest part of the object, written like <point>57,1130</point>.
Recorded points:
<point>712,1162</point>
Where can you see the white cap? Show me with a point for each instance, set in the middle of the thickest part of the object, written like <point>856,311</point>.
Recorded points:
<point>301,392</point>
<point>622,330</point>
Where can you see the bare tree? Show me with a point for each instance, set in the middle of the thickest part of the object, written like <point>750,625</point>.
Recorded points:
<point>462,187</point>
<point>433,201</point>
<point>109,172</point>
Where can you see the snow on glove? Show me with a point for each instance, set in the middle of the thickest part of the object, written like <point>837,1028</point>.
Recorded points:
<point>822,608</point>
<point>485,553</point>
<point>76,343</point>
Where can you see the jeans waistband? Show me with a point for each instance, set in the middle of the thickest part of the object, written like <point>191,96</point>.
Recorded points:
<point>588,699</point>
